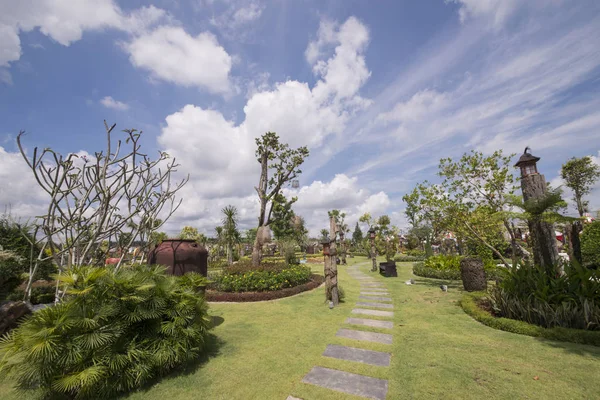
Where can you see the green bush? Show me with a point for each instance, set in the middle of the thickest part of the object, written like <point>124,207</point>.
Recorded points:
<point>263,279</point>
<point>41,294</point>
<point>470,303</point>
<point>443,263</point>
<point>420,269</point>
<point>416,253</point>
<point>11,269</point>
<point>113,333</point>
<point>530,294</point>
<point>407,258</point>
<point>590,245</point>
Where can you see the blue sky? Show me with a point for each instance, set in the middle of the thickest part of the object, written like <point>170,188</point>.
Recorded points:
<point>379,91</point>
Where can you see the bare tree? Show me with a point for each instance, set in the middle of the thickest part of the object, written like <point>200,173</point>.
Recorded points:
<point>97,198</point>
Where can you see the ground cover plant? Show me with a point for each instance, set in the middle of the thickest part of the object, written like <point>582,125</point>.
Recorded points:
<point>530,294</point>
<point>267,277</point>
<point>113,333</point>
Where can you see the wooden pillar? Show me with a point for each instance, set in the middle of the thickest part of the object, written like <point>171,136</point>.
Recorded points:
<point>333,262</point>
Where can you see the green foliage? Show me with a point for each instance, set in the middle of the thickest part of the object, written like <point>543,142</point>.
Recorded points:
<point>420,269</point>
<point>288,251</point>
<point>470,303</point>
<point>357,235</point>
<point>113,333</point>
<point>443,263</point>
<point>580,174</point>
<point>11,269</point>
<point>191,233</point>
<point>415,253</point>
<point>262,279</point>
<point>590,245</point>
<point>407,258</point>
<point>530,294</point>
<point>324,233</point>
<point>16,238</point>
<point>40,294</point>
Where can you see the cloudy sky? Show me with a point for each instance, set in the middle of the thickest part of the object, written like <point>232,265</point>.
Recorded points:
<point>379,91</point>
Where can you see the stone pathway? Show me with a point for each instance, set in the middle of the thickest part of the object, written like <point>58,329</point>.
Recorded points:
<point>373,297</point>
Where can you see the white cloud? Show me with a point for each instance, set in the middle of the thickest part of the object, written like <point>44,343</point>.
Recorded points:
<point>343,193</point>
<point>238,15</point>
<point>109,102</point>
<point>173,55</point>
<point>495,10</point>
<point>65,21</point>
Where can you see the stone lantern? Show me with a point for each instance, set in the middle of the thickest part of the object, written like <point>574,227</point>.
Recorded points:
<point>533,185</point>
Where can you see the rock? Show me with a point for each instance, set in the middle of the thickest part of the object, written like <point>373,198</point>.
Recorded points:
<point>444,288</point>
<point>11,313</point>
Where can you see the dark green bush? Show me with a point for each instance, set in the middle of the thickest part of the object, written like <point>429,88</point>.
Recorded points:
<point>112,334</point>
<point>263,279</point>
<point>472,305</point>
<point>530,294</point>
<point>40,294</point>
<point>11,270</point>
<point>590,245</point>
<point>415,253</point>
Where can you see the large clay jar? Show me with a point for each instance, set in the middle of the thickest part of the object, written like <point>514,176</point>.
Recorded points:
<point>180,256</point>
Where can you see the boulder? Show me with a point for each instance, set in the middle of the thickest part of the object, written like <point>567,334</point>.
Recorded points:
<point>11,313</point>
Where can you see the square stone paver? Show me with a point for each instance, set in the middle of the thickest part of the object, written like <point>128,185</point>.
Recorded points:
<point>371,292</point>
<point>374,298</point>
<point>377,313</point>
<point>345,382</point>
<point>376,305</point>
<point>358,355</point>
<point>375,323</point>
<point>384,338</point>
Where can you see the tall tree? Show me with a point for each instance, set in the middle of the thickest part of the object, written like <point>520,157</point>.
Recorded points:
<point>579,175</point>
<point>357,235</point>
<point>482,182</point>
<point>231,235</point>
<point>279,166</point>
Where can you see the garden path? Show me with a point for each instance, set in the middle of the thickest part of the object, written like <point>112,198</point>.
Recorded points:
<point>373,297</point>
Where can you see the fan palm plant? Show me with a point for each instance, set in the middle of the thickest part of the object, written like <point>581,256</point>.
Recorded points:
<point>113,333</point>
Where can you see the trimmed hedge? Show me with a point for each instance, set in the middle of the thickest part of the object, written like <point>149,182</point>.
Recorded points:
<point>265,279</point>
<point>470,303</point>
<point>216,296</point>
<point>420,269</point>
<point>407,258</point>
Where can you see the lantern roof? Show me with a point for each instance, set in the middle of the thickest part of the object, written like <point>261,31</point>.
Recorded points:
<point>527,158</point>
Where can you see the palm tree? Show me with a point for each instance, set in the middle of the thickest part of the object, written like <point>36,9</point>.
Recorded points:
<point>231,235</point>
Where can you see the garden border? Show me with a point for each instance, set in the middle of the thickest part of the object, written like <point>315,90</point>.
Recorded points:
<point>469,303</point>
<point>245,297</point>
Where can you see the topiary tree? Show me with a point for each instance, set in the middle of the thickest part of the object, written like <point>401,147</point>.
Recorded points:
<point>590,245</point>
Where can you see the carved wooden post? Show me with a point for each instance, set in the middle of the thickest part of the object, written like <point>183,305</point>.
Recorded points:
<point>373,251</point>
<point>333,261</point>
<point>533,185</point>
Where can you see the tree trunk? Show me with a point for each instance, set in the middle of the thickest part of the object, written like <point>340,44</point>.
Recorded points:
<point>229,254</point>
<point>331,271</point>
<point>572,238</point>
<point>256,252</point>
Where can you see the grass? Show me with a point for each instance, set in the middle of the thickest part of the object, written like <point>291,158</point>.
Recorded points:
<point>262,351</point>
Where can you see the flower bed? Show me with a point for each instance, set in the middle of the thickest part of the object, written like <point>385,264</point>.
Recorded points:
<point>218,296</point>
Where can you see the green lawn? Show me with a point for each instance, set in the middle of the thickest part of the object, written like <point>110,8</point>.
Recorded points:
<point>263,350</point>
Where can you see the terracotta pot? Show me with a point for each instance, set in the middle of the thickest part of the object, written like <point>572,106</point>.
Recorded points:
<point>180,256</point>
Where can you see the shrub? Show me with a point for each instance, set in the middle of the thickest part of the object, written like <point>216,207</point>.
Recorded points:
<point>590,245</point>
<point>42,292</point>
<point>420,269</point>
<point>10,272</point>
<point>406,258</point>
<point>530,294</point>
<point>315,281</point>
<point>472,304</point>
<point>415,253</point>
<point>260,280</point>
<point>113,333</point>
<point>443,263</point>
